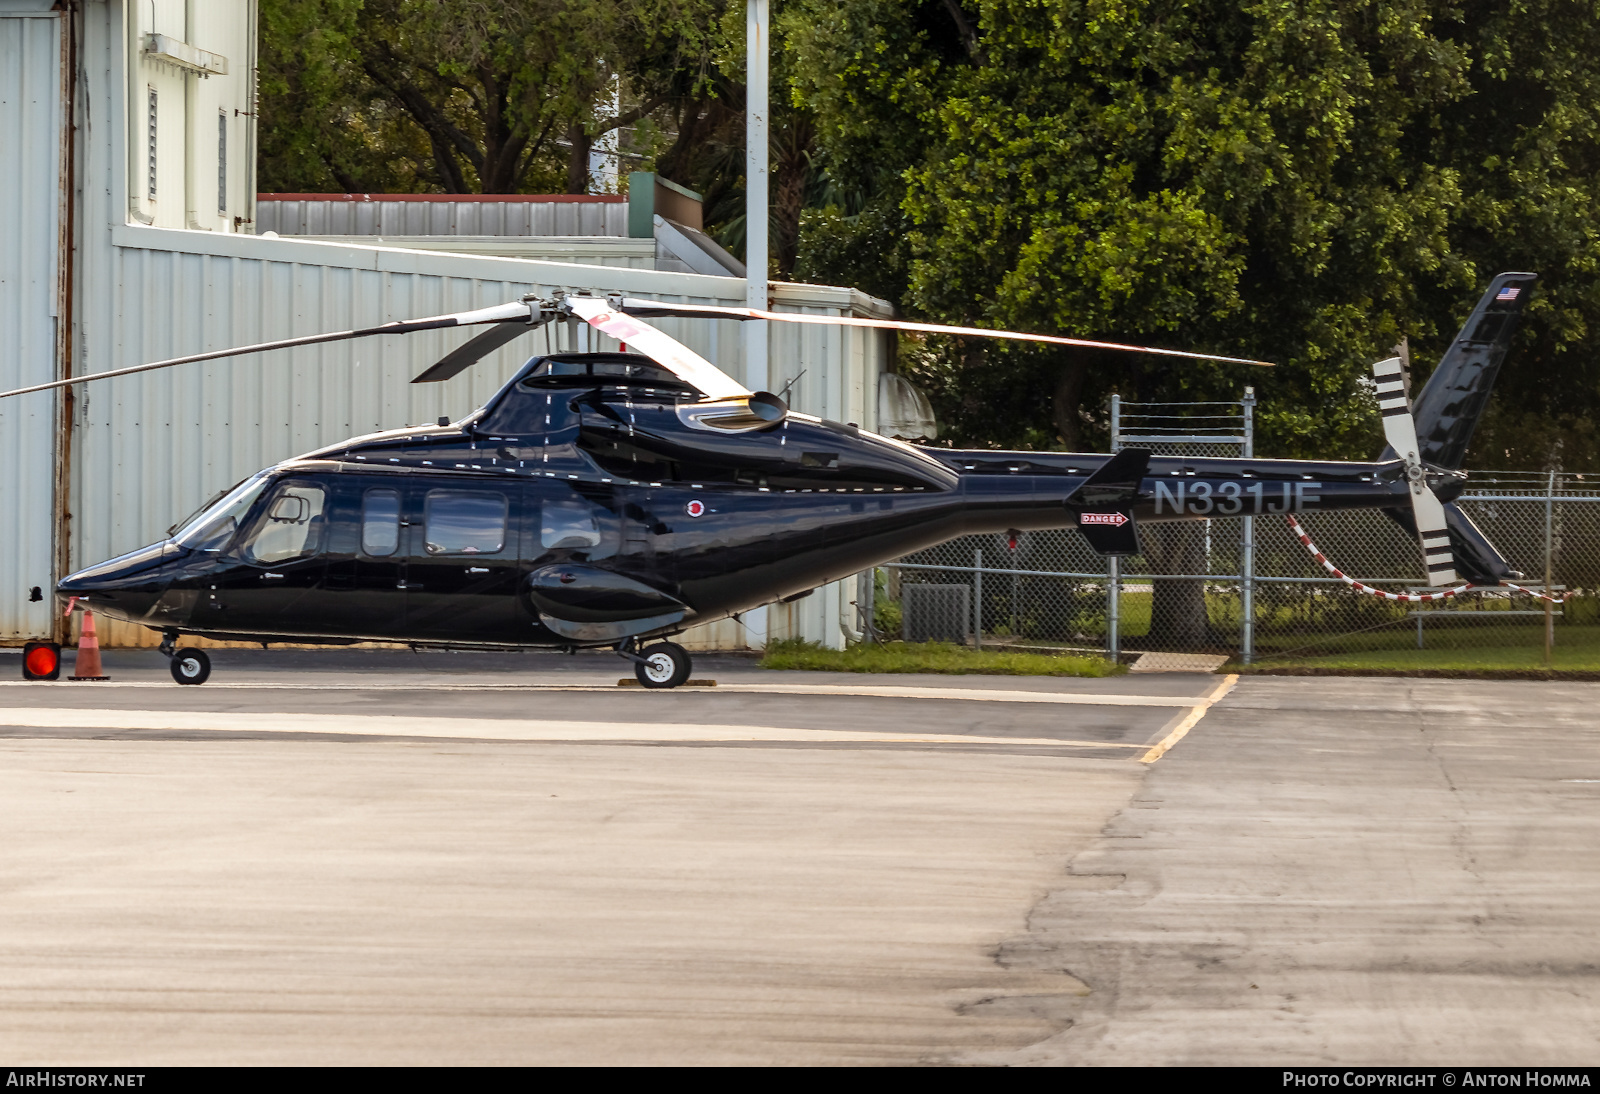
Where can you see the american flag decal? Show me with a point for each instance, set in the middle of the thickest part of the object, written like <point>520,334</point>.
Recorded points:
<point>1508,293</point>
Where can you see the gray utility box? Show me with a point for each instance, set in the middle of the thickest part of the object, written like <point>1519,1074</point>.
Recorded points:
<point>935,613</point>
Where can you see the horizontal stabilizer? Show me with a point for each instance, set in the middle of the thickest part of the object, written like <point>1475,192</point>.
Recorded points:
<point>1115,483</point>
<point>1104,503</point>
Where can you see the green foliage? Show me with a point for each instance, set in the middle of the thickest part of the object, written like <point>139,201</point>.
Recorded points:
<point>929,657</point>
<point>887,614</point>
<point>1304,181</point>
<point>465,96</point>
<point>1486,649</point>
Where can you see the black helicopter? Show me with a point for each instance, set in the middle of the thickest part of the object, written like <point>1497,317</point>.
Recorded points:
<point>615,499</point>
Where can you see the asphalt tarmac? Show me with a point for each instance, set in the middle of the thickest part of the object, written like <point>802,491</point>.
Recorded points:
<point>375,857</point>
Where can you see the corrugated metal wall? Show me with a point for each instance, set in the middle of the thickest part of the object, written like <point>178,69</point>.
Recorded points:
<point>597,216</point>
<point>631,254</point>
<point>30,200</point>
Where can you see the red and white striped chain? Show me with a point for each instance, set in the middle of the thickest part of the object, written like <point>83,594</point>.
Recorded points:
<point>1409,598</point>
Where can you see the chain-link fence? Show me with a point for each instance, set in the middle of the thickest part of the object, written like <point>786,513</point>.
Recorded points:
<point>1200,589</point>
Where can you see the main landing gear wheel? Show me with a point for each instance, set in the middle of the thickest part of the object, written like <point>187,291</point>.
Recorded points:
<point>190,666</point>
<point>665,665</point>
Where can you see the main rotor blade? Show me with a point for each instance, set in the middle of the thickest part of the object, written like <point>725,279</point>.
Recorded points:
<point>1401,432</point>
<point>653,308</point>
<point>501,313</point>
<point>474,350</point>
<point>657,345</point>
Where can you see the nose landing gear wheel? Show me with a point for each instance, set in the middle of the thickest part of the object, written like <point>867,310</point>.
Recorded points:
<point>190,666</point>
<point>665,665</point>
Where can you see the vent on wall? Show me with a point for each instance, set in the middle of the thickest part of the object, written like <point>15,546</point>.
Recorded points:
<point>150,146</point>
<point>222,163</point>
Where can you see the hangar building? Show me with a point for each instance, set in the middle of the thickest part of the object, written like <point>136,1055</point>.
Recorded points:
<point>130,216</point>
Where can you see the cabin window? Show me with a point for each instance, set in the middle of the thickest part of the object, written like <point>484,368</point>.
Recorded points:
<point>568,523</point>
<point>290,525</point>
<point>380,523</point>
<point>460,522</point>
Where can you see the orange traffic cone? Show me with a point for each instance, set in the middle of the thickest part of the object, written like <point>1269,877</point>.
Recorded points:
<point>88,666</point>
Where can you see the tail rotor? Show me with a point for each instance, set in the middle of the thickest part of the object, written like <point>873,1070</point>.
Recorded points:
<point>1400,430</point>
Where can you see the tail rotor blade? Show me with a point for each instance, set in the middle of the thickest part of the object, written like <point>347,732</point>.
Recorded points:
<point>1434,533</point>
<point>1401,432</point>
<point>1398,427</point>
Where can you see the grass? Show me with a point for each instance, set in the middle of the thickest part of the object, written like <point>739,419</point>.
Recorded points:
<point>930,657</point>
<point>1469,647</point>
<point>1520,660</point>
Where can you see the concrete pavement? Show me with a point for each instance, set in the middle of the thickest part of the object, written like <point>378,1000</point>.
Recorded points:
<point>235,875</point>
<point>375,858</point>
<point>1343,871</point>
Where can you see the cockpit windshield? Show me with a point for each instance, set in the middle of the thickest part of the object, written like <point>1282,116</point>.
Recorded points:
<point>216,524</point>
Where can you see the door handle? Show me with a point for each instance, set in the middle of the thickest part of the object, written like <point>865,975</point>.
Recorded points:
<point>270,577</point>
<point>407,585</point>
<point>477,569</point>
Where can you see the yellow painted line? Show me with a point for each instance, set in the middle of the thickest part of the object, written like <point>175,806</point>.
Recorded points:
<point>391,682</point>
<point>1189,721</point>
<point>992,695</point>
<point>498,729</point>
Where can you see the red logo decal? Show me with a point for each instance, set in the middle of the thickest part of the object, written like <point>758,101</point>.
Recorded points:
<point>1116,520</point>
<point>695,508</point>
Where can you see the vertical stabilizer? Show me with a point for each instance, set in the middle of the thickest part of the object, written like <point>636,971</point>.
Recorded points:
<point>1451,403</point>
<point>1447,411</point>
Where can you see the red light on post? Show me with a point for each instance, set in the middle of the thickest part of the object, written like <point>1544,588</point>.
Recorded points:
<point>41,661</point>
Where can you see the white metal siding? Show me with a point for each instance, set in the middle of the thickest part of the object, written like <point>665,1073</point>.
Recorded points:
<point>442,218</point>
<point>30,195</point>
<point>632,254</point>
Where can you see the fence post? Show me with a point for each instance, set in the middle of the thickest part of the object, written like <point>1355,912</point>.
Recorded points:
<point>1247,547</point>
<point>1113,606</point>
<point>1549,567</point>
<point>977,598</point>
<point>1114,564</point>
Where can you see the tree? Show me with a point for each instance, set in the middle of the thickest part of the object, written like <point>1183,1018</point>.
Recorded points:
<point>1304,181</point>
<point>466,96</point>
<point>1300,180</point>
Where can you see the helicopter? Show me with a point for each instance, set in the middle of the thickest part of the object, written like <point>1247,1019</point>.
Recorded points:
<point>611,500</point>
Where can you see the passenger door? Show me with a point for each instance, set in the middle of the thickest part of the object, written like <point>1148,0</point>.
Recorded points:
<point>462,563</point>
<point>366,564</point>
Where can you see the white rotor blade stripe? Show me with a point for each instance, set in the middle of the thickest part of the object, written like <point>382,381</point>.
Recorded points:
<point>1398,428</point>
<point>657,345</point>
<point>927,328</point>
<point>501,313</point>
<point>1435,535</point>
<point>1401,432</point>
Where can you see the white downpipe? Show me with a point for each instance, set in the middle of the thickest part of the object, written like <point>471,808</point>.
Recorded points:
<point>757,24</point>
